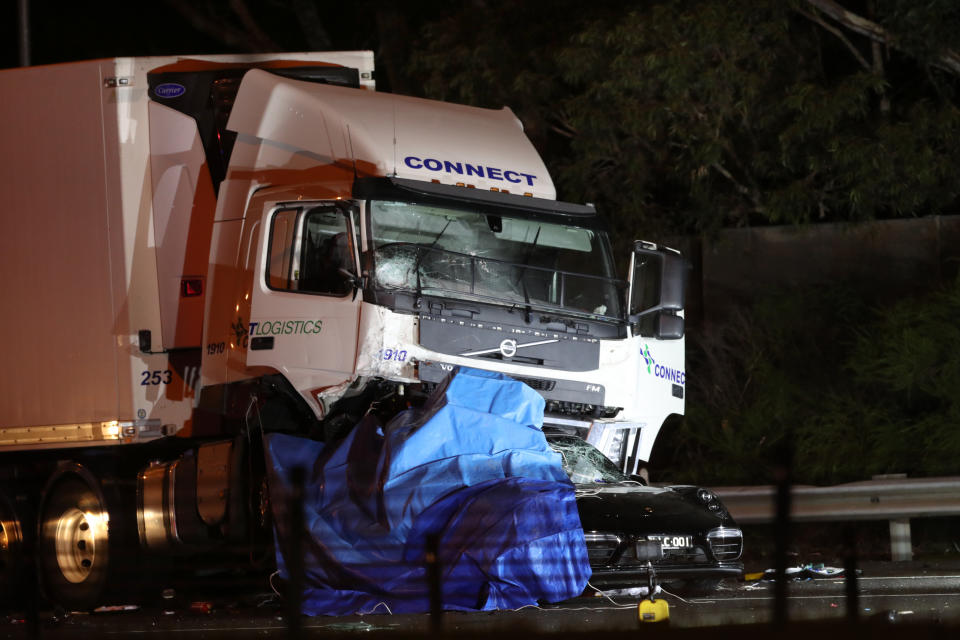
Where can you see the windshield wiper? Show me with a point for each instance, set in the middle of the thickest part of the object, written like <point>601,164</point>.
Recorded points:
<point>523,273</point>
<point>416,264</point>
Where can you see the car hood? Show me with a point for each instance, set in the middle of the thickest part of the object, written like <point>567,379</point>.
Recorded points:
<point>636,509</point>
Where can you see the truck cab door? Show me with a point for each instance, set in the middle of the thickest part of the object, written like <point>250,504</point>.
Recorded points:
<point>304,311</point>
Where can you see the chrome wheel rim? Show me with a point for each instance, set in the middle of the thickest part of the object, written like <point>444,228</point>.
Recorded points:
<point>76,543</point>
<point>11,540</point>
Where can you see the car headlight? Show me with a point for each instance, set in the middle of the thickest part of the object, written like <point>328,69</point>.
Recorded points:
<point>710,500</point>
<point>726,543</point>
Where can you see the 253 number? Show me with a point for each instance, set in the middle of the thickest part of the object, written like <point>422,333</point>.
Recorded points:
<point>150,378</point>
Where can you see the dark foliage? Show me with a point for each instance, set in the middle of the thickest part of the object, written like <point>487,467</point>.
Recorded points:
<point>858,390</point>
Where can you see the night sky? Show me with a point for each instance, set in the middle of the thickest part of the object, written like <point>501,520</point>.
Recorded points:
<point>62,30</point>
<point>65,31</point>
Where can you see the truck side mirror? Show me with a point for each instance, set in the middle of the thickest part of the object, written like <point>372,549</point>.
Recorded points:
<point>657,290</point>
<point>357,282</point>
<point>673,282</point>
<point>669,327</point>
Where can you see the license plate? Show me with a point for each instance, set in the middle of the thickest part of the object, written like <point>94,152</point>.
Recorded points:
<point>674,542</point>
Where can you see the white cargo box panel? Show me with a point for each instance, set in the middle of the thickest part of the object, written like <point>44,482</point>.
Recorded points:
<point>67,308</point>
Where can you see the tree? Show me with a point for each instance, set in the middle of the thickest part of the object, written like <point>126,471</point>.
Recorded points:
<point>926,31</point>
<point>495,53</point>
<point>730,113</point>
<point>860,390</point>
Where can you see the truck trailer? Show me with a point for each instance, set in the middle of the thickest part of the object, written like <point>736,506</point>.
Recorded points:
<point>198,250</point>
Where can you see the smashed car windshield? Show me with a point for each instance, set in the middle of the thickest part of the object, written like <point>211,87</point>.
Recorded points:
<point>497,258</point>
<point>583,462</point>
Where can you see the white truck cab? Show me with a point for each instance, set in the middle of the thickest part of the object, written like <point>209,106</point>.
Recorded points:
<point>426,236</point>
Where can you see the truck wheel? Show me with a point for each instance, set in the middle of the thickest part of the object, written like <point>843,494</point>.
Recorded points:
<point>74,540</point>
<point>12,550</point>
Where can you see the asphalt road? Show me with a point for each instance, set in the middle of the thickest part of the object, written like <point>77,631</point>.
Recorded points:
<point>890,595</point>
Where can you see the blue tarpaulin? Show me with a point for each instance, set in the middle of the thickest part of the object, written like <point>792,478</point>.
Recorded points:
<point>470,470</point>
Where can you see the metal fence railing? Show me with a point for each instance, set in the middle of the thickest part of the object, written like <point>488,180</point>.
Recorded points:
<point>893,498</point>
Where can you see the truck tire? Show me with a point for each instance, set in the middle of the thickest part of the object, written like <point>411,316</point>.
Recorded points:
<point>75,539</point>
<point>12,550</point>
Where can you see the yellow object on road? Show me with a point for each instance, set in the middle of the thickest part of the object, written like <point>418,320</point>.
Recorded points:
<point>653,610</point>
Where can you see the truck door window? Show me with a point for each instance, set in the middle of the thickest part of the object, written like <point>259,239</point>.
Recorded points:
<point>311,251</point>
<point>280,268</point>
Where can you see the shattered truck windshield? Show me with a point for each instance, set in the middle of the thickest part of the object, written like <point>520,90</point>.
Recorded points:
<point>500,259</point>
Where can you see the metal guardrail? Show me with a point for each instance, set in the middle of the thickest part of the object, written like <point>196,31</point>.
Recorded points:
<point>879,499</point>
<point>893,498</point>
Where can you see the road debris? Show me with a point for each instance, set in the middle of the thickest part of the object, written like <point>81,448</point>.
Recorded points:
<point>805,572</point>
<point>201,607</point>
<point>117,608</point>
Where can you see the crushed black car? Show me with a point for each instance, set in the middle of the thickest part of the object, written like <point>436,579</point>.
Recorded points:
<point>684,533</point>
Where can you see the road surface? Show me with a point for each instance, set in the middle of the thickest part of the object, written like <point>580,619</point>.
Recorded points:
<point>889,594</point>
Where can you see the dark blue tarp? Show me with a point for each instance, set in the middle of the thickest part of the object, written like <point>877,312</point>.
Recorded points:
<point>471,468</point>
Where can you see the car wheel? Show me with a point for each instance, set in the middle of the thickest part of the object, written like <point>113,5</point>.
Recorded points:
<point>74,541</point>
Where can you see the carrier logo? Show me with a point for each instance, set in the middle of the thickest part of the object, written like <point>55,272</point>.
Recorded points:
<point>467,169</point>
<point>169,90</point>
<point>677,376</point>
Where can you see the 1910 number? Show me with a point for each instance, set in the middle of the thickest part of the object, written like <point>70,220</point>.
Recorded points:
<point>399,355</point>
